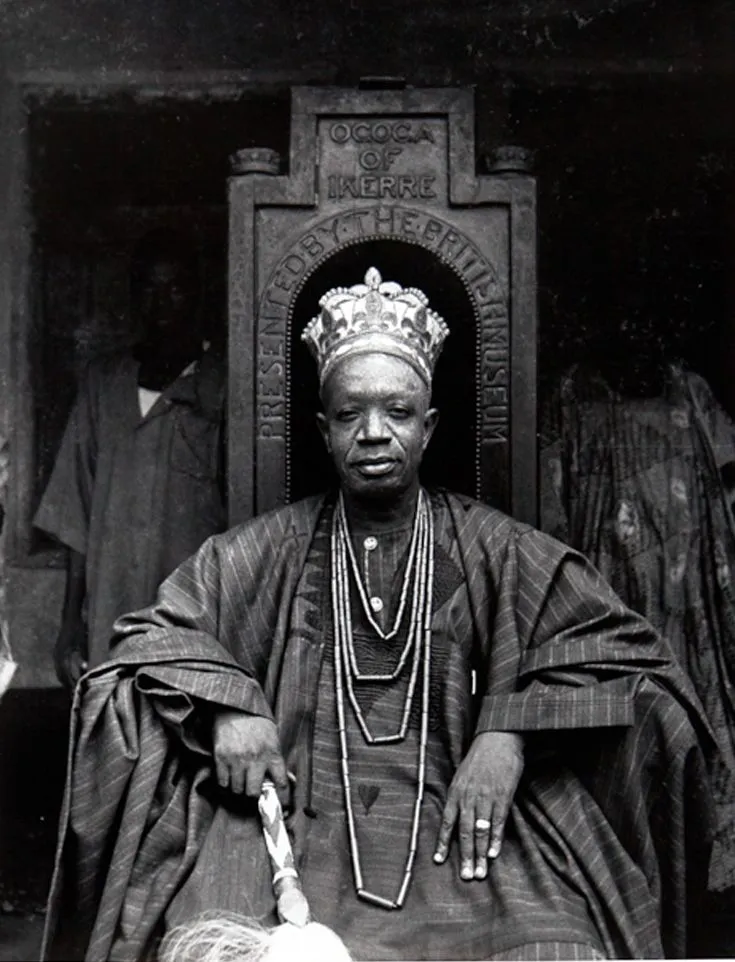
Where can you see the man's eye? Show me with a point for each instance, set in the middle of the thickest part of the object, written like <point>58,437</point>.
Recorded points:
<point>345,416</point>
<point>399,413</point>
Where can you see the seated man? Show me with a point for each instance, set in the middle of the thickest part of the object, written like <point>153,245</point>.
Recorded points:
<point>488,755</point>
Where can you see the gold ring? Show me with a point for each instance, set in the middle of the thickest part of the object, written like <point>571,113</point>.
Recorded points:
<point>482,824</point>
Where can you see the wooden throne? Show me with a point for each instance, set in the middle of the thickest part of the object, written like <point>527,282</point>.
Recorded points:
<point>383,178</point>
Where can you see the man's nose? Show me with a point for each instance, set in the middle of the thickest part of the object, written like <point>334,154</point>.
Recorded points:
<point>373,427</point>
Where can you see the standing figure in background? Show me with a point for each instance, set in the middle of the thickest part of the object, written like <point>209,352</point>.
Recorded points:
<point>138,483</point>
<point>637,473</point>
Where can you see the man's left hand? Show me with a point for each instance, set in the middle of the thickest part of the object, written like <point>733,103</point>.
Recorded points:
<point>479,800</point>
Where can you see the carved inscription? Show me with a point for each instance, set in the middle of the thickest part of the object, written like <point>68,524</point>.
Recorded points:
<point>380,187</point>
<point>399,223</point>
<point>375,159</point>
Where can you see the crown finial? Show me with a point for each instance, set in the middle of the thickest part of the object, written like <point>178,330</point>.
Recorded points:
<point>376,317</point>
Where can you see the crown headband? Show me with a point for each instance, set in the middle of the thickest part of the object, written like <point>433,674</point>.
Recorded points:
<point>376,317</point>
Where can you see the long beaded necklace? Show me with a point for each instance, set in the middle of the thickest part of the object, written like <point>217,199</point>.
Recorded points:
<point>345,670</point>
<point>344,547</point>
<point>342,522</point>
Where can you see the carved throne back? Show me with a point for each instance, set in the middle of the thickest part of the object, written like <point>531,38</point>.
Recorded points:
<point>382,179</point>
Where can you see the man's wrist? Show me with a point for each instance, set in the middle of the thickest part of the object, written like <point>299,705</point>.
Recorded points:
<point>516,739</point>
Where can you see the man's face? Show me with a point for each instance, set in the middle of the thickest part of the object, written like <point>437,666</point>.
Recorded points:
<point>377,424</point>
<point>167,296</point>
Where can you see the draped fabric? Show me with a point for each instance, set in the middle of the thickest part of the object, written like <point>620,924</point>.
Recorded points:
<point>642,486</point>
<point>609,830</point>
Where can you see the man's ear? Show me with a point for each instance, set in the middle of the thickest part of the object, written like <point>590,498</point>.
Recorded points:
<point>431,419</point>
<point>323,425</point>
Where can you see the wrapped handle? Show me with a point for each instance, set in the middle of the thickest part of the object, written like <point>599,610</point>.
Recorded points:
<point>290,899</point>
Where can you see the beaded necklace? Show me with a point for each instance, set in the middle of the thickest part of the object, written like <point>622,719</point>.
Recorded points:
<point>344,547</point>
<point>420,569</point>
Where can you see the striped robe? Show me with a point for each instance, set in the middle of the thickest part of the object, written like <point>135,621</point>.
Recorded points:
<point>614,800</point>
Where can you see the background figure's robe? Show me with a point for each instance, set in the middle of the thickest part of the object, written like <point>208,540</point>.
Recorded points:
<point>613,806</point>
<point>136,495</point>
<point>643,487</point>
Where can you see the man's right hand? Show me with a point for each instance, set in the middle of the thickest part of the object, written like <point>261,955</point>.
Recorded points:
<point>245,750</point>
<point>70,654</point>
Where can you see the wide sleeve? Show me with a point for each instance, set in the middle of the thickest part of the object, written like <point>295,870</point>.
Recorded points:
<point>66,504</point>
<point>198,615</point>
<point>574,655</point>
<point>231,600</point>
<point>187,601</point>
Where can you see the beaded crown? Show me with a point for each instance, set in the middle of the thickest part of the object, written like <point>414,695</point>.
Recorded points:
<point>376,317</point>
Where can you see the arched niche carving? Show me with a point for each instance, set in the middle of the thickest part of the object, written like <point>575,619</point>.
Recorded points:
<point>468,241</point>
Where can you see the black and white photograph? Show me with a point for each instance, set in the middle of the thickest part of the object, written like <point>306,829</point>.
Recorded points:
<point>367,480</point>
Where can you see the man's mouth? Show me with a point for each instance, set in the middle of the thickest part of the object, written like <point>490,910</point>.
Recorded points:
<point>375,467</point>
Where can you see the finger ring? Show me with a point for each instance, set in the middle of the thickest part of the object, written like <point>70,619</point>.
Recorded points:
<point>483,824</point>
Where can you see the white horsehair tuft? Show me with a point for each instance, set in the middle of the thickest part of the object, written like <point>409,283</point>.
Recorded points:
<point>229,937</point>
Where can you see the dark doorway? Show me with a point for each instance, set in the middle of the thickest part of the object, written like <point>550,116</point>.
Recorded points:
<point>101,175</point>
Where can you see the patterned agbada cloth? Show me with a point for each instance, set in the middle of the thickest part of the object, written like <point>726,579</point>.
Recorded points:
<point>639,485</point>
<point>613,783</point>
